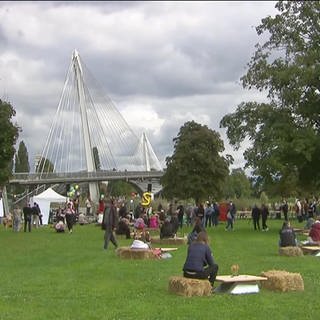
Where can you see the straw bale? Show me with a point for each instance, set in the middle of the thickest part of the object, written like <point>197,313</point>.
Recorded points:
<point>128,253</point>
<point>173,241</point>
<point>290,251</point>
<point>281,280</point>
<point>189,287</point>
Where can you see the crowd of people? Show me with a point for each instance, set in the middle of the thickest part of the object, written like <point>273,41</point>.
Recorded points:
<point>116,219</point>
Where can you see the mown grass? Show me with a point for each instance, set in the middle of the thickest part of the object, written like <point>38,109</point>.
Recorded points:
<point>46,275</point>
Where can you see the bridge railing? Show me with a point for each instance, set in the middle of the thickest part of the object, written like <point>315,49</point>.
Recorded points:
<point>83,176</point>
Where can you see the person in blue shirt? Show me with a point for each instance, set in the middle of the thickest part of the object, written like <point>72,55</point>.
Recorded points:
<point>200,263</point>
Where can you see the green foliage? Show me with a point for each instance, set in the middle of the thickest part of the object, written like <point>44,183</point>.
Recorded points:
<point>22,159</point>
<point>45,165</point>
<point>63,276</point>
<point>119,188</point>
<point>196,169</point>
<point>9,134</point>
<point>264,198</point>
<point>284,133</point>
<point>237,185</point>
<point>96,158</point>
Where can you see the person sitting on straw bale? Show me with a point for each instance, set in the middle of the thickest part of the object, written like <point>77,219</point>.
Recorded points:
<point>138,244</point>
<point>82,219</point>
<point>123,227</point>
<point>167,230</point>
<point>60,226</point>
<point>139,223</point>
<point>200,263</point>
<point>314,234</point>
<point>287,235</point>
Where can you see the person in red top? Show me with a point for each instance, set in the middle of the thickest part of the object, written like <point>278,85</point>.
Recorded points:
<point>101,206</point>
<point>314,233</point>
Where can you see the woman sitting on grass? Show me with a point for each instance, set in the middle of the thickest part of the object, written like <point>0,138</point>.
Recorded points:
<point>200,263</point>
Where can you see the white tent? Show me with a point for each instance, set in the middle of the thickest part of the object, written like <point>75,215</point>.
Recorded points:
<point>44,200</point>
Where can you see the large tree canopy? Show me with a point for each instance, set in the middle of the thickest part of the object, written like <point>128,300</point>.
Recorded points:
<point>284,132</point>
<point>196,169</point>
<point>8,136</point>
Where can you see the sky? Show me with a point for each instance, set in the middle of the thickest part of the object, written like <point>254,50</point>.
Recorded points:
<point>162,63</point>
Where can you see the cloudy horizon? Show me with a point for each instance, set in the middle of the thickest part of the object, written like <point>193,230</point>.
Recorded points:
<point>161,63</point>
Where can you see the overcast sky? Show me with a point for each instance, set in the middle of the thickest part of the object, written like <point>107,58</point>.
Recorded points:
<point>162,63</point>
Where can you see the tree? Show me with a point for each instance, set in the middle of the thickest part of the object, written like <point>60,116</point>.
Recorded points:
<point>196,169</point>
<point>237,185</point>
<point>9,134</point>
<point>44,165</point>
<point>284,132</point>
<point>96,158</point>
<point>22,159</point>
<point>119,188</point>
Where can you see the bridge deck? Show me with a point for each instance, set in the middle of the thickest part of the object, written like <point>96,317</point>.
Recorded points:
<point>52,177</point>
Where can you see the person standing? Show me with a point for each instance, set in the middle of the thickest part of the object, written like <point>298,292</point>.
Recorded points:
<point>200,263</point>
<point>255,213</point>
<point>231,215</point>
<point>35,215</point>
<point>109,223</point>
<point>27,217</point>
<point>180,211</point>
<point>264,215</point>
<point>88,206</point>
<point>215,214</point>
<point>199,212</point>
<point>208,214</point>
<point>70,217</point>
<point>284,209</point>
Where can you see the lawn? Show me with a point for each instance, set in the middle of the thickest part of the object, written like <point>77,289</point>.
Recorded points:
<point>46,275</point>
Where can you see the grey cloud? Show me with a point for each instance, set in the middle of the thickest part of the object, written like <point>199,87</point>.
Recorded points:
<point>183,59</point>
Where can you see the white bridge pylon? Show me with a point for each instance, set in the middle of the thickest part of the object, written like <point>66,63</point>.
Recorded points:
<point>93,186</point>
<point>89,134</point>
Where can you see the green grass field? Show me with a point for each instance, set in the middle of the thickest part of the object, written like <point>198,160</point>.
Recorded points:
<point>46,275</point>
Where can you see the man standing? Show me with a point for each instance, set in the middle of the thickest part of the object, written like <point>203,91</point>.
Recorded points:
<point>231,215</point>
<point>256,217</point>
<point>27,216</point>
<point>110,222</point>
<point>264,215</point>
<point>284,209</point>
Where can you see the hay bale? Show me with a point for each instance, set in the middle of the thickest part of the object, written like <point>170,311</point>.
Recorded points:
<point>128,253</point>
<point>290,251</point>
<point>280,280</point>
<point>173,241</point>
<point>189,287</point>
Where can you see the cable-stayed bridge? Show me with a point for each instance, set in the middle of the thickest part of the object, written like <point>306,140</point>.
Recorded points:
<point>90,141</point>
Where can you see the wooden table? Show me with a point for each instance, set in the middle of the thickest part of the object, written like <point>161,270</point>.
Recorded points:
<point>238,284</point>
<point>310,249</point>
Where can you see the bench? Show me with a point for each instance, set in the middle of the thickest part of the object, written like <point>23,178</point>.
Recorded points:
<point>310,249</point>
<point>238,284</point>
